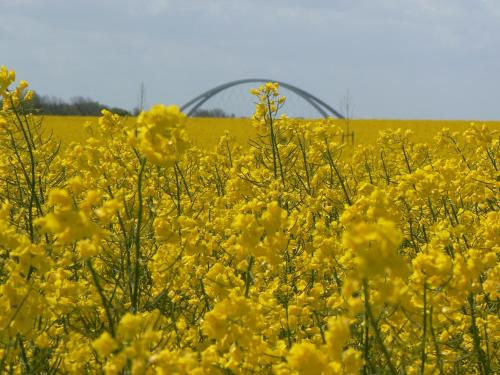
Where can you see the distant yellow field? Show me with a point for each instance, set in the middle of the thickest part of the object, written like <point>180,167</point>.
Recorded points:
<point>204,132</point>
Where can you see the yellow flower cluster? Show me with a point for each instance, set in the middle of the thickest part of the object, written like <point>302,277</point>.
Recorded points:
<point>160,135</point>
<point>137,253</point>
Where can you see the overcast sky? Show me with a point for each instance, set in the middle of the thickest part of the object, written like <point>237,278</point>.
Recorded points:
<point>425,59</point>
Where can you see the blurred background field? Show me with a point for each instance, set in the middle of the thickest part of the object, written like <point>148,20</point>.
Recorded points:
<point>205,132</point>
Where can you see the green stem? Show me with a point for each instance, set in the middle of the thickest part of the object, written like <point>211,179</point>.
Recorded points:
<point>178,193</point>
<point>387,179</point>
<point>439,357</point>
<point>103,297</point>
<point>366,346</point>
<point>339,176</point>
<point>484,367</point>
<point>248,276</point>
<point>406,159</point>
<point>272,138</point>
<point>136,296</point>
<point>376,330</point>
<point>424,331</point>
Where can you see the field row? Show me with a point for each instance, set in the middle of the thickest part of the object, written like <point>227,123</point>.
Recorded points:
<point>205,132</point>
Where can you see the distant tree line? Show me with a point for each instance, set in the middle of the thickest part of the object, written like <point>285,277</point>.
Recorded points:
<point>214,112</point>
<point>77,106</point>
<point>81,106</point>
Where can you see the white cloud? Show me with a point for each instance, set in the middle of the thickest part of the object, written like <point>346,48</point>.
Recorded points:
<point>159,7</point>
<point>156,7</point>
<point>16,2</point>
<point>493,7</point>
<point>150,7</point>
<point>397,47</point>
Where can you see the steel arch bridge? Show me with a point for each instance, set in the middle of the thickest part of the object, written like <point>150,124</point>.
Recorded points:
<point>324,109</point>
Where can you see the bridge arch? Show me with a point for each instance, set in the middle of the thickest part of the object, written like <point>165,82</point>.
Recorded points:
<point>324,109</point>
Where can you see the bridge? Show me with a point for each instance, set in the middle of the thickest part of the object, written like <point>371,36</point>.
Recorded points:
<point>320,106</point>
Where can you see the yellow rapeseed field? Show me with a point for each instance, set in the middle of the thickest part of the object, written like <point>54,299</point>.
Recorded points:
<point>205,132</point>
<point>131,251</point>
